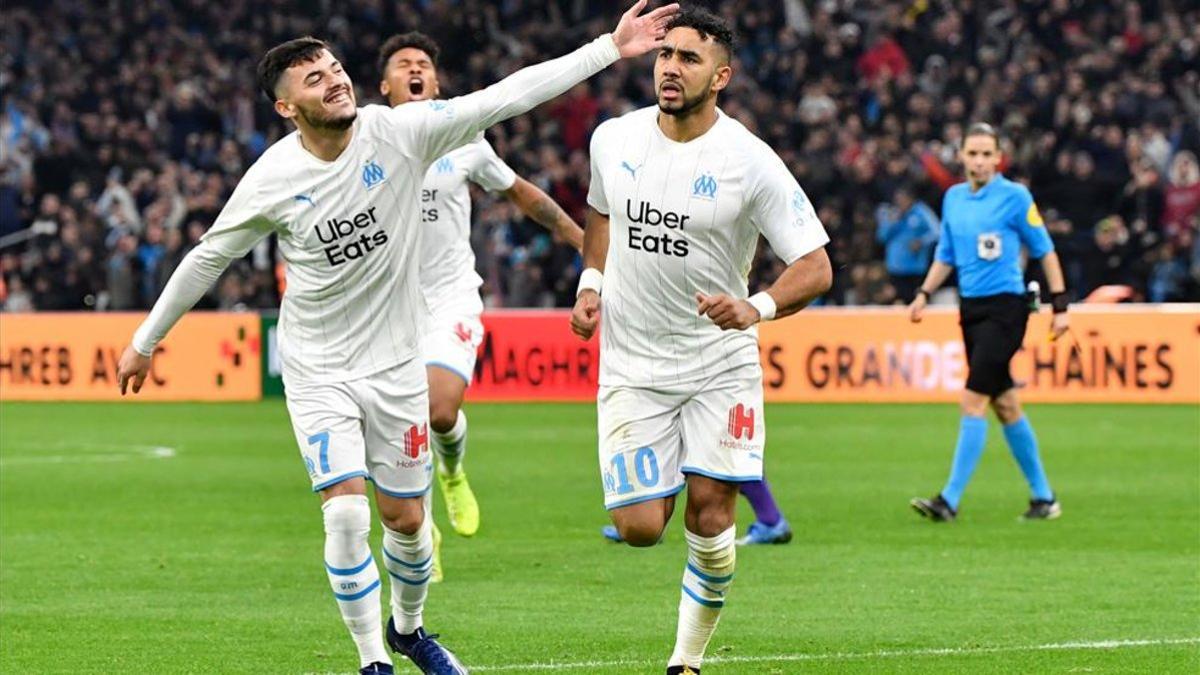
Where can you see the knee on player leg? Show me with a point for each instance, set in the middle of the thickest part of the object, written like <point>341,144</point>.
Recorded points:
<point>443,414</point>
<point>711,505</point>
<point>1007,407</point>
<point>347,515</point>
<point>973,403</point>
<point>709,520</point>
<point>641,524</point>
<point>640,533</point>
<point>446,391</point>
<point>401,514</point>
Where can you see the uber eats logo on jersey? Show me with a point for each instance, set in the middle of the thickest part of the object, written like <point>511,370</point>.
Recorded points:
<point>347,238</point>
<point>656,237</point>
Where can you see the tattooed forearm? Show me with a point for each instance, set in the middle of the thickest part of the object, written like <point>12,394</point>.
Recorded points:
<point>546,212</point>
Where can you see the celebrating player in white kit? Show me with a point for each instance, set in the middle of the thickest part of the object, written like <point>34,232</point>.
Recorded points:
<point>342,194</point>
<point>679,195</point>
<point>408,71</point>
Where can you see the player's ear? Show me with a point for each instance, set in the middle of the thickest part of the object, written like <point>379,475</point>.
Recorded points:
<point>286,110</point>
<point>384,88</point>
<point>722,76</point>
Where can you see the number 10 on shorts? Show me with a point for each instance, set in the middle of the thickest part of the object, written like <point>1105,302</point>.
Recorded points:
<point>645,470</point>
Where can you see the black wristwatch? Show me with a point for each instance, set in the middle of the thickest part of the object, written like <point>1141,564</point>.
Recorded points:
<point>1059,301</point>
<point>922,291</point>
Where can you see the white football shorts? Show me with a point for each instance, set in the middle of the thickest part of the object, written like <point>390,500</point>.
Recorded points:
<point>375,427</point>
<point>650,439</point>
<point>454,335</point>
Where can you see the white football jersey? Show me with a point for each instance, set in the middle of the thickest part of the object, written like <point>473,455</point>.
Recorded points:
<point>685,218</point>
<point>447,261</point>
<point>349,228</point>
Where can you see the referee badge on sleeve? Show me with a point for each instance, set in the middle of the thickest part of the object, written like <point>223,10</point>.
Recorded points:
<point>989,246</point>
<point>1033,216</point>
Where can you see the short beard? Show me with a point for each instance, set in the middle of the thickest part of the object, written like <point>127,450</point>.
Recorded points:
<point>330,123</point>
<point>688,107</point>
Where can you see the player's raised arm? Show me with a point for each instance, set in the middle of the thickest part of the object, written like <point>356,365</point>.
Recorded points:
<point>239,227</point>
<point>441,126</point>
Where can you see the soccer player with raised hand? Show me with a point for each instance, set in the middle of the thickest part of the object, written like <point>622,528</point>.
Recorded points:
<point>408,73</point>
<point>679,195</point>
<point>985,223</point>
<point>342,193</point>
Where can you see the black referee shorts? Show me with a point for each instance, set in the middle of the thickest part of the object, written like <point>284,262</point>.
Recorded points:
<point>993,328</point>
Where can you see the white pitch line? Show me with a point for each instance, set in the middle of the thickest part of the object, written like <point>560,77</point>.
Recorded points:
<point>137,452</point>
<point>848,656</point>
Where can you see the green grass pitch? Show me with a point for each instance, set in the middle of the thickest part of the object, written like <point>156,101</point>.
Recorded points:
<point>117,559</point>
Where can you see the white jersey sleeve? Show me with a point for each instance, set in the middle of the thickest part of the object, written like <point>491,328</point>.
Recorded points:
<point>782,212</point>
<point>239,227</point>
<point>488,171</point>
<point>439,126</point>
<point>596,197</point>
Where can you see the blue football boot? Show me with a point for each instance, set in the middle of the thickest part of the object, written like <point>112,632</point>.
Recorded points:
<point>424,651</point>
<point>610,533</point>
<point>759,533</point>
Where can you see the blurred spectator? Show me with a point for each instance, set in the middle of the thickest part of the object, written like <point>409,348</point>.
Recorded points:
<point>122,274</point>
<point>908,230</point>
<point>1169,278</point>
<point>1182,196</point>
<point>1108,257</point>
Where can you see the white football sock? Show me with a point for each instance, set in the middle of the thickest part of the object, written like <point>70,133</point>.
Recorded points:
<point>409,559</point>
<point>352,573</point>
<point>452,445</point>
<point>706,579</point>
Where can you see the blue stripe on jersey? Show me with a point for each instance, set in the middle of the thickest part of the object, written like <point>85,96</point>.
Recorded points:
<point>720,476</point>
<point>645,498</point>
<point>338,479</point>
<point>447,366</point>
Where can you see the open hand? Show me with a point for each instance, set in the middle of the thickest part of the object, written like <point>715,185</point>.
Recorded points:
<point>635,35</point>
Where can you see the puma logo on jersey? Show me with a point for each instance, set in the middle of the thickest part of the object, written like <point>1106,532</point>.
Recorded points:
<point>305,198</point>
<point>631,169</point>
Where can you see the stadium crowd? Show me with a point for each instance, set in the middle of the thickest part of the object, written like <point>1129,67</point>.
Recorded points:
<point>125,126</point>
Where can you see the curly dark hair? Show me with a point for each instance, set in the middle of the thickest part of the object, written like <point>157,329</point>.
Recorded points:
<point>706,24</point>
<point>414,39</point>
<point>283,56</point>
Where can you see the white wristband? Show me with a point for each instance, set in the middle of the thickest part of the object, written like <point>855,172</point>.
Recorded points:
<point>765,305</point>
<point>591,279</point>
